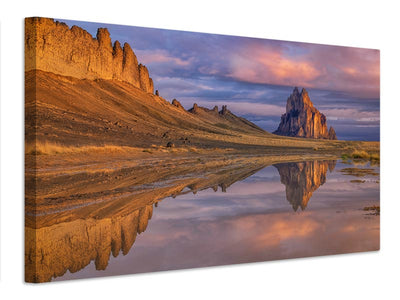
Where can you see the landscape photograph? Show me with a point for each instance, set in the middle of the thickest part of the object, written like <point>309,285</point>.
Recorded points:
<point>150,150</point>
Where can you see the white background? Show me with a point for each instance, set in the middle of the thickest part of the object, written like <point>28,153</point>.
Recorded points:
<point>370,24</point>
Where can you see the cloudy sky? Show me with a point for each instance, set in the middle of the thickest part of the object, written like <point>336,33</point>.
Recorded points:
<point>254,77</point>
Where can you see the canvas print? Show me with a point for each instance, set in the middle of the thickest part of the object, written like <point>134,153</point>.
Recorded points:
<point>150,150</point>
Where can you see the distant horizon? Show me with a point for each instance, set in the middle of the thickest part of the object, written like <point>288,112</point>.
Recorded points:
<point>254,77</point>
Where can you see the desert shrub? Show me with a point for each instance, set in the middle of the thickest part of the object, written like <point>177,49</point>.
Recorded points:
<point>47,148</point>
<point>375,157</point>
<point>345,156</point>
<point>360,154</point>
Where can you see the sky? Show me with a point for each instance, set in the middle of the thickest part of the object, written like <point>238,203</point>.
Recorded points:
<point>254,77</point>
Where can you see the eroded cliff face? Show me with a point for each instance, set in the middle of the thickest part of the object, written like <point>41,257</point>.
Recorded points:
<point>302,179</point>
<point>54,47</point>
<point>302,119</point>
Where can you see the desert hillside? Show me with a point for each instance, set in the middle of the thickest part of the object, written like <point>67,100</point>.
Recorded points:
<point>83,112</point>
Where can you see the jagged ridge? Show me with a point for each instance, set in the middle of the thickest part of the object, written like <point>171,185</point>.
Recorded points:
<point>225,118</point>
<point>54,47</point>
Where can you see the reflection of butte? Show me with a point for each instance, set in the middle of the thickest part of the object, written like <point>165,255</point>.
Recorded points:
<point>302,179</point>
<point>71,239</point>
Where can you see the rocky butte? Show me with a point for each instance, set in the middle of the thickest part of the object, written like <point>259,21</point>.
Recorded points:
<point>302,119</point>
<point>54,47</point>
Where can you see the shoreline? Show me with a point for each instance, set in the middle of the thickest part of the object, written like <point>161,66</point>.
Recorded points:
<point>61,195</point>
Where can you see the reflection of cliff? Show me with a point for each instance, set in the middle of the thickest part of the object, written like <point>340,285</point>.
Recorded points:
<point>51,251</point>
<point>302,179</point>
<point>74,219</point>
<point>91,228</point>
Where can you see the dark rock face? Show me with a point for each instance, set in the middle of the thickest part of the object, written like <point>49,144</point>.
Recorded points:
<point>224,110</point>
<point>332,134</point>
<point>177,103</point>
<point>302,119</point>
<point>194,109</point>
<point>199,109</point>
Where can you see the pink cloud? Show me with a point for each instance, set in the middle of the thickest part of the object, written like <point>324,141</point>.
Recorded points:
<point>346,69</point>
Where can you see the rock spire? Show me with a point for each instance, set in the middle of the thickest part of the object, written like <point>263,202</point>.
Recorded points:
<point>302,119</point>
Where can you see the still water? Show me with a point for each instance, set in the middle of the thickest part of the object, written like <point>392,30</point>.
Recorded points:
<point>282,211</point>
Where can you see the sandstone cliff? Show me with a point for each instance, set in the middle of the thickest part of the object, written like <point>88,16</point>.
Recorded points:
<point>302,119</point>
<point>54,47</point>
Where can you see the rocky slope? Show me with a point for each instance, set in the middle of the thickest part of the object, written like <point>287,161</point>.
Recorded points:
<point>302,119</point>
<point>79,112</point>
<point>225,119</point>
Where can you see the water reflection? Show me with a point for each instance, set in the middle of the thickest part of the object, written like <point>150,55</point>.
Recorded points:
<point>51,251</point>
<point>302,179</point>
<point>248,222</point>
<point>93,219</point>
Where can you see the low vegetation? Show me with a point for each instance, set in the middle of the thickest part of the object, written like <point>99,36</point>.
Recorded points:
<point>361,156</point>
<point>374,210</point>
<point>357,181</point>
<point>46,148</point>
<point>359,172</point>
<point>49,148</point>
